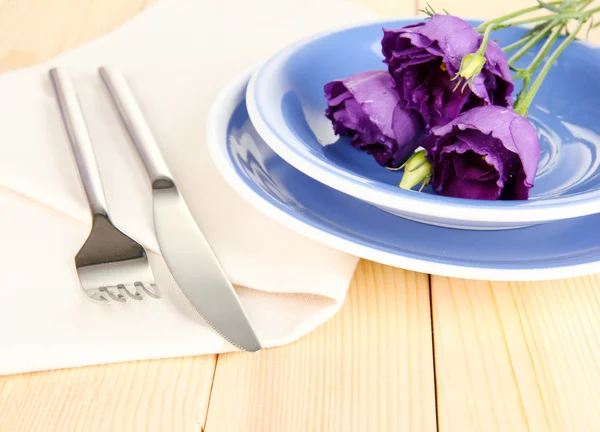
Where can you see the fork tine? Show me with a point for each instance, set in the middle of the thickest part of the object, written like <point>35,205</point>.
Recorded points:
<point>116,297</point>
<point>96,294</point>
<point>109,260</point>
<point>154,293</point>
<point>136,295</point>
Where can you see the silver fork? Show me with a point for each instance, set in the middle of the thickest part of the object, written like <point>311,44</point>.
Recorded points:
<point>111,265</point>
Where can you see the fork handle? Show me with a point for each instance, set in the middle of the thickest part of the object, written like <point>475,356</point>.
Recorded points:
<point>80,140</point>
<point>137,127</point>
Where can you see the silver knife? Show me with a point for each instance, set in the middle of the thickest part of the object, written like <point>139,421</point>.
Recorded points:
<point>187,253</point>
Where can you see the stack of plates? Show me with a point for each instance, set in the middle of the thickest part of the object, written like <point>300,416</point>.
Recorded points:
<point>271,141</point>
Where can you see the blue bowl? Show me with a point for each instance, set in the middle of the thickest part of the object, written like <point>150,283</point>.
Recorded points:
<point>286,104</point>
<point>554,250</point>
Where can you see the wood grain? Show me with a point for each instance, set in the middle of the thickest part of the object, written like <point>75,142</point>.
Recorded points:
<point>32,31</point>
<point>517,356</point>
<point>367,369</point>
<point>390,8</point>
<point>475,9</point>
<point>370,368</point>
<point>165,395</point>
<point>508,356</point>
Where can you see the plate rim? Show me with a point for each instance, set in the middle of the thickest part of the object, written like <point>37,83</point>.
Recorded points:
<point>449,208</point>
<point>216,126</point>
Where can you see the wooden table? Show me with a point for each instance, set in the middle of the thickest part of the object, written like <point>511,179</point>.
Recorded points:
<point>407,352</point>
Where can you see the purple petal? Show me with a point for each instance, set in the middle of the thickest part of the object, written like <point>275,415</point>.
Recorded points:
<point>475,167</point>
<point>471,189</point>
<point>414,55</point>
<point>366,107</point>
<point>508,141</point>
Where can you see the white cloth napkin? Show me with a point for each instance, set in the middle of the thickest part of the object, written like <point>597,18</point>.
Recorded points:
<point>176,56</point>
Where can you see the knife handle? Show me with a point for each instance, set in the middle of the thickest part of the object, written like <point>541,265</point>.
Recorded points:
<point>137,127</point>
<point>79,138</point>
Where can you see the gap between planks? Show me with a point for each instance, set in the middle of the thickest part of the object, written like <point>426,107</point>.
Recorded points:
<point>370,367</point>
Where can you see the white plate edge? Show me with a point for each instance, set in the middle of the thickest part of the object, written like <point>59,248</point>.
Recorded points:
<point>455,212</point>
<point>218,119</point>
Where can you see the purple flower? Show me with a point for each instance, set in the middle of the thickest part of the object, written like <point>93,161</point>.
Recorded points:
<point>423,58</point>
<point>366,107</point>
<point>488,152</point>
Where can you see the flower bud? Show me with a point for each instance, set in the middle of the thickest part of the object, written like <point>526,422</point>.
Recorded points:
<point>470,66</point>
<point>417,169</point>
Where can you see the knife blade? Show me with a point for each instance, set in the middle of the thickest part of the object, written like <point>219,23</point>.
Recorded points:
<point>189,257</point>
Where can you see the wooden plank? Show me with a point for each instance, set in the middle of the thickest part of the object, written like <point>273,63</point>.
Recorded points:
<point>367,369</point>
<point>166,395</point>
<point>517,356</point>
<point>150,396</point>
<point>476,386</point>
<point>475,9</point>
<point>514,356</point>
<point>391,8</point>
<point>32,31</point>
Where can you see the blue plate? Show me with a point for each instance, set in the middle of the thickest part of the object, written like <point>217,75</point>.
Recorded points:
<point>286,104</point>
<point>554,250</point>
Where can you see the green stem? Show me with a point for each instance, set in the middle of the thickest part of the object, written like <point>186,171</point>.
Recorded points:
<point>534,40</point>
<point>499,20</point>
<point>537,60</point>
<point>517,44</point>
<point>585,4</point>
<point>526,81</point>
<point>506,17</point>
<point>560,16</point>
<point>581,4</point>
<point>527,73</point>
<point>562,7</point>
<point>485,40</point>
<point>523,106</point>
